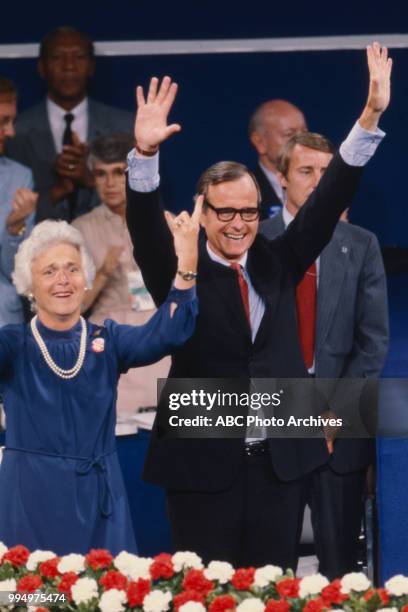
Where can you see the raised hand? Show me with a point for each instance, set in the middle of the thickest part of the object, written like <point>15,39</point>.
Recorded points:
<point>185,230</point>
<point>379,66</point>
<point>151,127</point>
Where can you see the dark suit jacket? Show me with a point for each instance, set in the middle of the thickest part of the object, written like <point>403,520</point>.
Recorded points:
<point>352,316</point>
<point>34,147</point>
<point>269,197</point>
<point>221,346</point>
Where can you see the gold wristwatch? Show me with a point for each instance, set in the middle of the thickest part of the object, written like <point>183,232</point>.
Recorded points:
<point>188,275</point>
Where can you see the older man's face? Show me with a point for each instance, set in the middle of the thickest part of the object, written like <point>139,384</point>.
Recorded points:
<point>231,239</point>
<point>278,129</point>
<point>8,112</point>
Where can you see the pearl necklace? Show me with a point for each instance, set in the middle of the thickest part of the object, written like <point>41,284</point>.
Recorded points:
<point>66,374</point>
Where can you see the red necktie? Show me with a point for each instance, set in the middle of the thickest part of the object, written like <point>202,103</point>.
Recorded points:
<point>243,287</point>
<point>306,313</point>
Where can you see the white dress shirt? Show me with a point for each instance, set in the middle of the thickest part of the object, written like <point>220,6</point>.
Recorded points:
<point>58,124</point>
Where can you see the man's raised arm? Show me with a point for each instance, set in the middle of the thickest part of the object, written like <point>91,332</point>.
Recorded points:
<point>152,242</point>
<point>313,227</point>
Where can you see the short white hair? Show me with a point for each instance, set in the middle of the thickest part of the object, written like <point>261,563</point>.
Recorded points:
<point>44,236</point>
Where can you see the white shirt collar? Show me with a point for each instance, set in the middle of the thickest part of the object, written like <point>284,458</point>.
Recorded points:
<point>275,182</point>
<point>56,111</point>
<point>287,216</point>
<point>225,262</point>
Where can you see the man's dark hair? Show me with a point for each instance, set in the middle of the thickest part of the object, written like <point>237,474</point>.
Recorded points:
<point>223,172</point>
<point>49,38</point>
<point>111,149</point>
<point>311,140</point>
<point>7,87</point>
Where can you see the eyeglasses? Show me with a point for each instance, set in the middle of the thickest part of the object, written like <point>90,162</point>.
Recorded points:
<point>228,214</point>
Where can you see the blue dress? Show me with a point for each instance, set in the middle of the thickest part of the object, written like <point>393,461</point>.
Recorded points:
<point>61,488</point>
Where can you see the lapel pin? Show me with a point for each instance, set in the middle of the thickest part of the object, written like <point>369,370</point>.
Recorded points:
<point>344,249</point>
<point>98,345</point>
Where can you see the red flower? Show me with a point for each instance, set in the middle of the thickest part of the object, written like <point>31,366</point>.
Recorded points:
<point>314,605</point>
<point>331,594</point>
<point>162,567</point>
<point>99,558</point>
<point>137,591</point>
<point>404,609</point>
<point>222,603</point>
<point>243,578</point>
<point>29,583</point>
<point>381,593</point>
<point>196,581</point>
<point>18,555</point>
<point>113,580</point>
<point>41,610</point>
<point>288,587</point>
<point>186,596</point>
<point>49,568</point>
<point>279,605</point>
<point>67,582</point>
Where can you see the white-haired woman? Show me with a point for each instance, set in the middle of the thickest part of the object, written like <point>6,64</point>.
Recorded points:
<point>60,483</point>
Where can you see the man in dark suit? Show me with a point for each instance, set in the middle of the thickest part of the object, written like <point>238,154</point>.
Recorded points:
<point>348,339</point>
<point>270,127</point>
<point>231,499</point>
<point>51,137</point>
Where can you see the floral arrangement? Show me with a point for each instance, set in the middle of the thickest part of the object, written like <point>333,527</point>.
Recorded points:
<point>41,581</point>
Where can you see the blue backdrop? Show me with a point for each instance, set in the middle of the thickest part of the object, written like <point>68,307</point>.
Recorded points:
<point>217,95</point>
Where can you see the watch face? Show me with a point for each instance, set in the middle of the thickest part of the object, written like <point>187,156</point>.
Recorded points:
<point>187,276</point>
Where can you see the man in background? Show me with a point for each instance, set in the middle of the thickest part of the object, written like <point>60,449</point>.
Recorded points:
<point>342,320</point>
<point>17,204</point>
<point>270,127</point>
<point>52,136</point>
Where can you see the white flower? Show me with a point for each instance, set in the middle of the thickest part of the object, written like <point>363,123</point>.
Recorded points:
<point>157,601</point>
<point>192,606</point>
<point>132,566</point>
<point>112,601</point>
<point>38,556</point>
<point>386,610</point>
<point>84,589</point>
<point>183,560</point>
<point>356,581</point>
<point>8,585</point>
<point>397,585</point>
<point>252,604</point>
<point>312,585</point>
<point>71,563</point>
<point>265,575</point>
<point>3,549</point>
<point>219,570</point>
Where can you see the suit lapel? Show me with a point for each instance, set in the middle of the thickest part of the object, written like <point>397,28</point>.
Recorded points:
<point>221,283</point>
<point>334,261</point>
<point>41,136</point>
<point>96,121</point>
